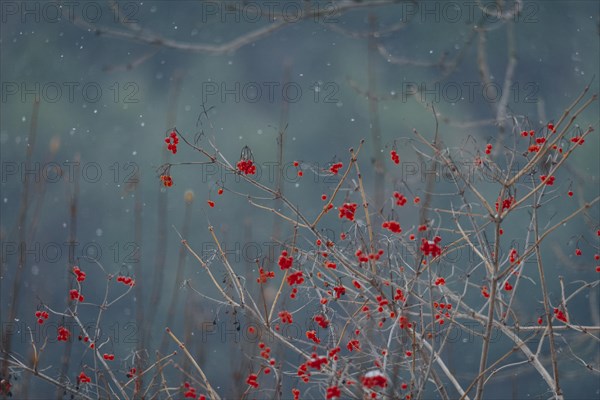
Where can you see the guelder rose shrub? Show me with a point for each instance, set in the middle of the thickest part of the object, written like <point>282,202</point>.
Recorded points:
<point>374,307</point>
<point>388,295</point>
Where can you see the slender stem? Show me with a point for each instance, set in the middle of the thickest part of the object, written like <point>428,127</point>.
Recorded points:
<point>211,392</point>
<point>544,289</point>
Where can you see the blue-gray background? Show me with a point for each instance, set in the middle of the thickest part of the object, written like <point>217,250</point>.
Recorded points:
<point>119,130</point>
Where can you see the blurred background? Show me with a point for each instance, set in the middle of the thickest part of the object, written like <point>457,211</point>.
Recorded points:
<point>112,78</point>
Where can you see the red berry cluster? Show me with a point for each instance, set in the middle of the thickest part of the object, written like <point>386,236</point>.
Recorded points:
<point>560,315</point>
<point>527,133</point>
<point>295,278</point>
<point>333,392</point>
<point>63,334</point>
<point>513,256</point>
<point>548,180</point>
<point>286,317</point>
<point>312,335</point>
<point>485,292</point>
<point>578,140</point>
<point>374,378</point>
<point>247,167</point>
<point>353,344</point>
<point>400,199</point>
<point>335,168</point>
<point>83,378</point>
<point>395,157</point>
<point>363,258</point>
<point>382,302</point>
<point>440,281</point>
<point>75,295</point>
<point>442,310</point>
<point>264,276</point>
<point>507,286</point>
<point>333,353</point>
<point>339,291</point>
<point>322,321</point>
<point>108,357</point>
<point>285,261</point>
<point>488,149</point>
<point>506,203</point>
<point>404,323</point>
<point>126,280</point>
<point>299,171</point>
<point>131,373</point>
<point>41,316</point>
<point>315,362</point>
<point>79,273</point>
<point>538,142</point>
<point>252,380</point>
<point>190,392</point>
<point>303,372</point>
<point>392,226</point>
<point>265,352</point>
<point>172,141</point>
<point>347,210</point>
<point>166,180</point>
<point>399,295</point>
<point>329,264</point>
<point>431,248</point>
